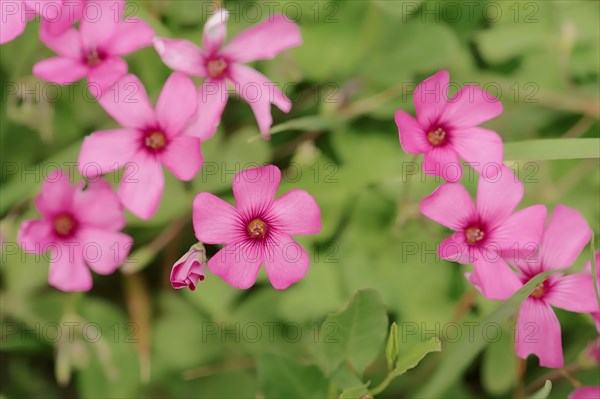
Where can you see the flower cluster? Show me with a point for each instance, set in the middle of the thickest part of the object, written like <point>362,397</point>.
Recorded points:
<point>506,247</point>
<point>76,220</point>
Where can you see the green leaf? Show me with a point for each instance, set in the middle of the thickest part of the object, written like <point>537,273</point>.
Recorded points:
<point>391,351</point>
<point>416,353</point>
<point>360,333</point>
<point>281,377</point>
<point>544,392</point>
<point>358,392</point>
<point>461,354</point>
<point>498,371</point>
<point>550,149</point>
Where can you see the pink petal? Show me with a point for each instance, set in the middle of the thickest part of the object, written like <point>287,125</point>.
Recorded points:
<point>60,70</point>
<point>481,148</point>
<point>585,393</point>
<point>430,98</point>
<point>182,156</point>
<point>176,104</point>
<point>264,40</point>
<point>470,107</point>
<point>67,15</point>
<point>107,151</point>
<point>180,55</point>
<point>215,221</point>
<point>259,92</point>
<point>238,264</point>
<point>443,161</point>
<point>286,262</point>
<point>296,213</point>
<point>128,104</point>
<point>254,189</point>
<point>497,197</point>
<point>456,249</point>
<point>67,270</point>
<point>103,78</point>
<point>104,251</point>
<point>56,195</point>
<point>140,191</point>
<point>212,98</point>
<point>449,205</point>
<point>574,293</point>
<point>539,333</point>
<point>66,44</point>
<point>215,30</point>
<point>36,236</point>
<point>496,278</point>
<point>98,206</point>
<point>565,237</point>
<point>12,24</point>
<point>131,35</point>
<point>412,136</point>
<point>100,22</point>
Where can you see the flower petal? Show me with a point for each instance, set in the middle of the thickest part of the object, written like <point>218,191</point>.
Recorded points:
<point>481,148</point>
<point>296,213</point>
<point>254,189</point>
<point>56,195</point>
<point>565,237</point>
<point>176,104</point>
<point>36,236</point>
<point>104,251</point>
<point>98,206</point>
<point>574,293</point>
<point>539,333</point>
<point>471,106</point>
<point>443,161</point>
<point>60,70</point>
<point>456,249</point>
<point>100,22</point>
<point>497,197</point>
<point>66,44</point>
<point>430,98</point>
<point>140,191</point>
<point>585,393</point>
<point>12,24</point>
<point>215,30</point>
<point>183,157</point>
<point>212,98</point>
<point>264,40</point>
<point>131,35</point>
<point>180,55</point>
<point>412,136</point>
<point>103,78</point>
<point>238,264</point>
<point>128,104</point>
<point>107,151</point>
<point>449,205</point>
<point>496,278</point>
<point>67,270</point>
<point>259,92</point>
<point>216,221</point>
<point>286,262</point>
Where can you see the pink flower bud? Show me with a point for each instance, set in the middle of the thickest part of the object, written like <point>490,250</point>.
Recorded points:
<point>190,268</point>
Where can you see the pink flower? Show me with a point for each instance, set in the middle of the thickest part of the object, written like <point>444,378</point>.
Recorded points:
<point>56,16</point>
<point>588,267</point>
<point>538,329</point>
<point>150,138</point>
<point>217,65</point>
<point>593,350</point>
<point>95,49</point>
<point>79,226</point>
<point>446,130</point>
<point>190,268</point>
<point>259,230</point>
<point>585,393</point>
<point>487,232</point>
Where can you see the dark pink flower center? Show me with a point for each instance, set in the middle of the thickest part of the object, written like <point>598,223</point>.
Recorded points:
<point>94,58</point>
<point>155,140</point>
<point>436,137</point>
<point>64,225</point>
<point>216,67</point>
<point>257,228</point>
<point>474,234</point>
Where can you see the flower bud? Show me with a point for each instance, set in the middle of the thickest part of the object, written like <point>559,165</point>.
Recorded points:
<point>190,268</point>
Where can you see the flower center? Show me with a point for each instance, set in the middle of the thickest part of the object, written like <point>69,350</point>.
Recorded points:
<point>94,58</point>
<point>216,67</point>
<point>64,225</point>
<point>257,228</point>
<point>538,292</point>
<point>156,140</point>
<point>474,235</point>
<point>436,137</point>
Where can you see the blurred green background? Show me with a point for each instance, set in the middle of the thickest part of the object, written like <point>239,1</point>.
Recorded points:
<point>359,62</point>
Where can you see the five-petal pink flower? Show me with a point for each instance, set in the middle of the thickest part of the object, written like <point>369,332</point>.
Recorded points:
<point>446,130</point>
<point>487,232</point>
<point>258,231</point>
<point>150,138</point>
<point>95,49</point>
<point>79,226</point>
<point>219,64</point>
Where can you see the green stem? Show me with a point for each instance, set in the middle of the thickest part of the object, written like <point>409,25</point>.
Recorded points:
<point>384,384</point>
